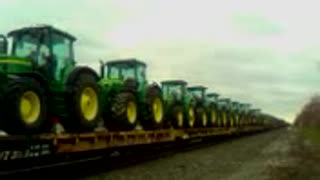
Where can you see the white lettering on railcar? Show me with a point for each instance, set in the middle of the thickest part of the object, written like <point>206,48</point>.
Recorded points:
<point>33,151</point>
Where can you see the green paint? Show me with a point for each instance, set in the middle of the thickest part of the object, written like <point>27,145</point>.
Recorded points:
<point>175,91</point>
<point>45,52</point>
<point>114,76</point>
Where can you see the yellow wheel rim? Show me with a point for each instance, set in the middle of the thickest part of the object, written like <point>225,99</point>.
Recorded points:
<point>191,117</point>
<point>89,103</point>
<point>204,119</point>
<point>180,119</point>
<point>132,112</point>
<point>224,118</point>
<point>30,107</point>
<point>157,110</point>
<point>231,121</point>
<point>213,117</point>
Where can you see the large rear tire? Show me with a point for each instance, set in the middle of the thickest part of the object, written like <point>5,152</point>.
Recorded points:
<point>124,112</point>
<point>213,118</point>
<point>83,101</point>
<point>201,117</point>
<point>190,117</point>
<point>25,107</point>
<point>153,113</point>
<point>176,116</point>
<point>224,118</point>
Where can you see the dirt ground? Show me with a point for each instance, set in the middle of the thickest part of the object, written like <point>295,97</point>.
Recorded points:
<point>264,156</point>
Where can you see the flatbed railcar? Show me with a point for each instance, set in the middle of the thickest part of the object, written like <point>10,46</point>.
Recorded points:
<point>19,152</point>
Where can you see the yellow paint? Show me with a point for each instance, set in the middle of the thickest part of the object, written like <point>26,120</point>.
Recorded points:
<point>204,119</point>
<point>30,107</point>
<point>180,119</point>
<point>157,110</point>
<point>132,112</point>
<point>191,116</point>
<point>89,103</point>
<point>14,61</point>
<point>213,117</point>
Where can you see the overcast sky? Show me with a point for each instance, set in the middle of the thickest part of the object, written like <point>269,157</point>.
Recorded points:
<point>261,52</point>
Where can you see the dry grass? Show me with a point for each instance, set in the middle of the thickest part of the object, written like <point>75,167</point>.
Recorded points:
<point>303,157</point>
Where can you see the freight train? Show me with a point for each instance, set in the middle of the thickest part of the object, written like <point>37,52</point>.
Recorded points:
<point>45,96</point>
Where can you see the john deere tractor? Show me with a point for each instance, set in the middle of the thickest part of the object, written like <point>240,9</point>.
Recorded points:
<point>179,104</point>
<point>128,98</point>
<point>212,105</point>
<point>39,82</point>
<point>244,115</point>
<point>224,112</point>
<point>254,117</point>
<point>235,111</point>
<point>199,96</point>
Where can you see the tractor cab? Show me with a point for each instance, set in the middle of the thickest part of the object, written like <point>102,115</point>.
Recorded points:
<point>173,89</point>
<point>245,109</point>
<point>3,45</point>
<point>124,69</point>
<point>254,116</point>
<point>212,97</point>
<point>42,48</point>
<point>198,92</point>
<point>224,107</point>
<point>235,106</point>
<point>224,103</point>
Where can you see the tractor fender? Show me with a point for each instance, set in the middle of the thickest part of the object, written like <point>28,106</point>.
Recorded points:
<point>79,70</point>
<point>153,86</point>
<point>36,76</point>
<point>130,85</point>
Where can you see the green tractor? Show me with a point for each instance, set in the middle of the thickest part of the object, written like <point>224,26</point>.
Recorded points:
<point>41,85</point>
<point>179,104</point>
<point>212,105</point>
<point>224,112</point>
<point>254,117</point>
<point>235,114</point>
<point>244,117</point>
<point>199,95</point>
<point>3,45</point>
<point>129,100</point>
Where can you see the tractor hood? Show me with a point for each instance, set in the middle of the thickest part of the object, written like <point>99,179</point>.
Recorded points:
<point>10,64</point>
<point>111,84</point>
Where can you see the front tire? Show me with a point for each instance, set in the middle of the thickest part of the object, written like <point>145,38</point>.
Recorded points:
<point>190,117</point>
<point>201,117</point>
<point>124,112</point>
<point>153,113</point>
<point>177,116</point>
<point>213,117</point>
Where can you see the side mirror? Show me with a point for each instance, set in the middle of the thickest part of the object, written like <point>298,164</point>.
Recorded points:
<point>102,68</point>
<point>3,44</point>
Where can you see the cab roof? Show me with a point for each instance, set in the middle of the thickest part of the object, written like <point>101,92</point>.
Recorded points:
<point>224,100</point>
<point>213,94</point>
<point>173,82</point>
<point>199,87</point>
<point>129,61</point>
<point>42,27</point>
